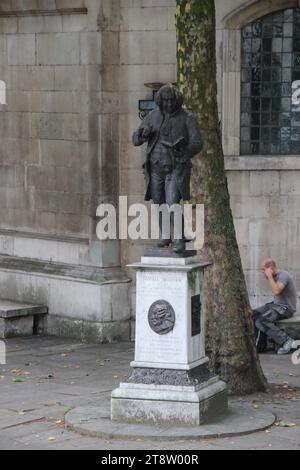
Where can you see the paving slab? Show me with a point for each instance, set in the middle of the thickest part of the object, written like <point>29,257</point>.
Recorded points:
<point>10,418</point>
<point>84,375</point>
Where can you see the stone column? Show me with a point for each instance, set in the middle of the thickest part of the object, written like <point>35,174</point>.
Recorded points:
<point>103,52</point>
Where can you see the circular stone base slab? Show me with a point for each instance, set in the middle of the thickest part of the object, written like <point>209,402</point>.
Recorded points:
<point>239,420</point>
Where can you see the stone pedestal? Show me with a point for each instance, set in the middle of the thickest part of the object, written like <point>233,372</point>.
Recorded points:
<point>170,382</point>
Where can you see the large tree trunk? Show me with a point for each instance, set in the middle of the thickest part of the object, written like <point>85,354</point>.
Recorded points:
<point>230,340</point>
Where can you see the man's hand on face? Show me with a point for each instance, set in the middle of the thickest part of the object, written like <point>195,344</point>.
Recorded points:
<point>269,273</point>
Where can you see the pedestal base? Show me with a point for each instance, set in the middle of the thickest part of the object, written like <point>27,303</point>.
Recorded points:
<point>240,420</point>
<point>169,405</point>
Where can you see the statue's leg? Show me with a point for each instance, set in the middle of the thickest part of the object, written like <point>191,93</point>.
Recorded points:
<point>158,197</point>
<point>173,196</point>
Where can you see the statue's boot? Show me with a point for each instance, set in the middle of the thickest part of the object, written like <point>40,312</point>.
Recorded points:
<point>179,246</point>
<point>164,243</point>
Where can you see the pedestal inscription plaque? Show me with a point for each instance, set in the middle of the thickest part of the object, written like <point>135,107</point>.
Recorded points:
<point>196,315</point>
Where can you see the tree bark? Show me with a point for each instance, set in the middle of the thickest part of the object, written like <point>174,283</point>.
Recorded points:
<point>230,338</point>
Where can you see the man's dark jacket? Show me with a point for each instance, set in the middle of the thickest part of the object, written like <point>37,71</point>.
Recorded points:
<point>184,124</point>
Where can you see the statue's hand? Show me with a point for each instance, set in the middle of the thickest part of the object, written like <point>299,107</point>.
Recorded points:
<point>183,159</point>
<point>178,153</point>
<point>145,132</point>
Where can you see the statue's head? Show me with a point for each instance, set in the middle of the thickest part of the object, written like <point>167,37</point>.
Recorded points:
<point>169,98</point>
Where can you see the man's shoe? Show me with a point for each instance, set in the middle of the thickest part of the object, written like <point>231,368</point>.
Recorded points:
<point>286,348</point>
<point>164,243</point>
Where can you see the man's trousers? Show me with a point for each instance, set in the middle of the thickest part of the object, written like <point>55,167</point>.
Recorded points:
<point>265,319</point>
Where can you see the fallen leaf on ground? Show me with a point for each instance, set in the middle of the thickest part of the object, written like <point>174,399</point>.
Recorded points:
<point>20,372</point>
<point>51,438</point>
<point>17,380</point>
<point>284,424</point>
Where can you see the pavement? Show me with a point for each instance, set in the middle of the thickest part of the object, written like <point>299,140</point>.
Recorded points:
<point>46,377</point>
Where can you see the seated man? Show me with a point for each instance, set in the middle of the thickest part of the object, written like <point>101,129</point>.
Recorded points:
<point>283,306</point>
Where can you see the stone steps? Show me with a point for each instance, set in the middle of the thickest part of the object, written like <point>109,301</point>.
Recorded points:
<point>17,319</point>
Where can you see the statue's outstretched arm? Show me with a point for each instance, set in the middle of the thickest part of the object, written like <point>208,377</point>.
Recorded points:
<point>141,135</point>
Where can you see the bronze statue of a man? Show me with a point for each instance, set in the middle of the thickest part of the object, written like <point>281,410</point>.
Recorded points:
<point>173,137</point>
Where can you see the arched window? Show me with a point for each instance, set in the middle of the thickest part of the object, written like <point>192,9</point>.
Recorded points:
<point>2,92</point>
<point>270,88</point>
